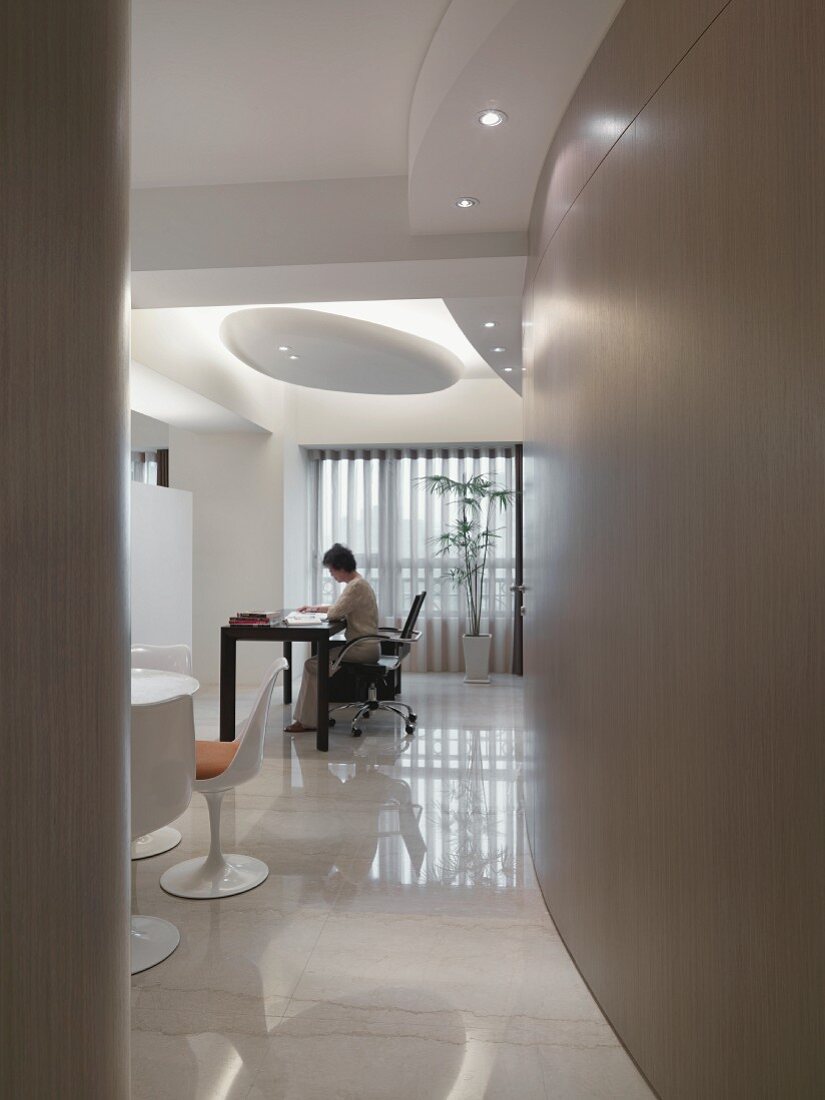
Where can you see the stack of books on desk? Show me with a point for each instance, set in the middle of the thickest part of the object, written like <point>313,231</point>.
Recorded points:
<point>252,618</point>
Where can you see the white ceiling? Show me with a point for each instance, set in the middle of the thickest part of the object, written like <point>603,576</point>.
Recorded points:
<point>240,91</point>
<point>528,66</point>
<point>252,91</point>
<point>473,315</point>
<point>308,347</point>
<point>153,394</point>
<point>361,97</point>
<point>185,348</point>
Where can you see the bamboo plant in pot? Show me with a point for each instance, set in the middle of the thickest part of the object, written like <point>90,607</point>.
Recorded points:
<point>468,538</point>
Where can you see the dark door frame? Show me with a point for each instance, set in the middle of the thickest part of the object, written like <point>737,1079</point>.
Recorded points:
<point>518,587</point>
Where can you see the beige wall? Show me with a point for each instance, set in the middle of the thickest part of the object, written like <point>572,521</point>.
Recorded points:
<point>675,441</point>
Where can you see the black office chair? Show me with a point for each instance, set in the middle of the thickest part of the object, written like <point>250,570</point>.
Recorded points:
<point>395,646</point>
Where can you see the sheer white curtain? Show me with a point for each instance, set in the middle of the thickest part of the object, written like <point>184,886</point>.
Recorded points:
<point>375,502</point>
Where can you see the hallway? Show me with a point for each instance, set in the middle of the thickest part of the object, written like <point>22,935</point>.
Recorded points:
<point>400,946</point>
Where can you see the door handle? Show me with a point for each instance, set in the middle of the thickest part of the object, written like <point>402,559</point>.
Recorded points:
<point>518,587</point>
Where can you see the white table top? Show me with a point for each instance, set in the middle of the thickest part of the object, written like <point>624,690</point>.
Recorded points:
<point>151,685</point>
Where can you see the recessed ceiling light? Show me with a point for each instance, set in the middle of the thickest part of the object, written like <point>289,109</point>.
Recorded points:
<point>492,117</point>
<point>507,370</point>
<point>498,350</point>
<point>295,357</point>
<point>465,202</point>
<point>489,324</point>
<point>524,370</point>
<point>284,347</point>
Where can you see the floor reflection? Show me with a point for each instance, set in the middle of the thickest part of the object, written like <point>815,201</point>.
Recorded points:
<point>453,798</point>
<point>361,774</point>
<point>400,946</point>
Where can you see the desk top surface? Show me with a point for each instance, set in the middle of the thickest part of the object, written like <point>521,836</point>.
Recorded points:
<point>278,629</point>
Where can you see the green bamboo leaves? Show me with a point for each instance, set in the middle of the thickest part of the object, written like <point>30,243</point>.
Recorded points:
<point>471,534</point>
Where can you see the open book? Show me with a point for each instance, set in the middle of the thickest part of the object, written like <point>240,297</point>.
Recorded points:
<point>301,618</point>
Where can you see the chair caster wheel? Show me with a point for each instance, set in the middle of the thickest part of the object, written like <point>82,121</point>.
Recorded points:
<point>331,722</point>
<point>409,730</point>
<point>356,732</point>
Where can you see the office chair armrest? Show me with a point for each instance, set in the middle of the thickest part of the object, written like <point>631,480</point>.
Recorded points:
<point>398,645</point>
<point>354,641</point>
<point>416,634</point>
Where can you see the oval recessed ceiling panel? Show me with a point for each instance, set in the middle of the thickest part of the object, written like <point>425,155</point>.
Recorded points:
<point>327,352</point>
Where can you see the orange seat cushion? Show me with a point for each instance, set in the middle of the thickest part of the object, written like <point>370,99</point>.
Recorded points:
<point>213,757</point>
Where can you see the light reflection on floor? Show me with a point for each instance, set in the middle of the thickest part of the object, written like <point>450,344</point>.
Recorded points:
<point>400,946</point>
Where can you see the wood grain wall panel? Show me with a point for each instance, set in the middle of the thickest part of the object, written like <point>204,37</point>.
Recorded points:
<point>64,799</point>
<point>645,43</point>
<point>675,478</point>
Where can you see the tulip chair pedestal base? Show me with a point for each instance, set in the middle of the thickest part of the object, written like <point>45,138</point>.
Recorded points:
<point>202,878</point>
<point>152,940</point>
<point>217,875</point>
<point>156,843</point>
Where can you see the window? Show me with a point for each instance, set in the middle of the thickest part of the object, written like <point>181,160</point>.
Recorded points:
<point>145,467</point>
<point>375,502</point>
<point>151,467</point>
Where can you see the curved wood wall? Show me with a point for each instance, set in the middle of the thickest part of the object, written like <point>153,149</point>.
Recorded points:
<point>675,500</point>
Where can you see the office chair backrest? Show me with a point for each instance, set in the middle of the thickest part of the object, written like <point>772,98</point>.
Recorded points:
<point>412,618</point>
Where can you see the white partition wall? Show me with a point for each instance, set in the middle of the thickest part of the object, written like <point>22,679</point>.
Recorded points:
<point>161,565</point>
<point>236,482</point>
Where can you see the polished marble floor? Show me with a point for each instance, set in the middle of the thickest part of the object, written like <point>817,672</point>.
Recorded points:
<point>400,947</point>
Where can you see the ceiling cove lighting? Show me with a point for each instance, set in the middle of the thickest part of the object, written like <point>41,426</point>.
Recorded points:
<point>492,117</point>
<point>465,202</point>
<point>350,353</point>
<point>489,324</point>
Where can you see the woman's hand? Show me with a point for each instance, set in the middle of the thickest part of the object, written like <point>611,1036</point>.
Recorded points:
<point>321,609</point>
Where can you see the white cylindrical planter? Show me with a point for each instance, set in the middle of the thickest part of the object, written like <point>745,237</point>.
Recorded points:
<point>477,658</point>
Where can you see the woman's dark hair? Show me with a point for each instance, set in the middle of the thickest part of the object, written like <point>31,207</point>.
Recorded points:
<point>340,557</point>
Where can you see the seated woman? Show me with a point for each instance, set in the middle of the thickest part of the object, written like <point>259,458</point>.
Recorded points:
<point>356,604</point>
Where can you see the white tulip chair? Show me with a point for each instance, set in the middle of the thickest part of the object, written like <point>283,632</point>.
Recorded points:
<point>167,658</point>
<point>163,770</point>
<point>221,766</point>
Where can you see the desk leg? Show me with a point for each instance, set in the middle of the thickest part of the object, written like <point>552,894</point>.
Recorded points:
<point>322,720</point>
<point>228,665</point>
<point>287,681</point>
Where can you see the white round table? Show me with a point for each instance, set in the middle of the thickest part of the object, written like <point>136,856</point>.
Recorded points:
<point>151,685</point>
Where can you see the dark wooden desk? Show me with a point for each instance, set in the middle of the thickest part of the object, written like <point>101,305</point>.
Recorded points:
<point>319,634</point>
